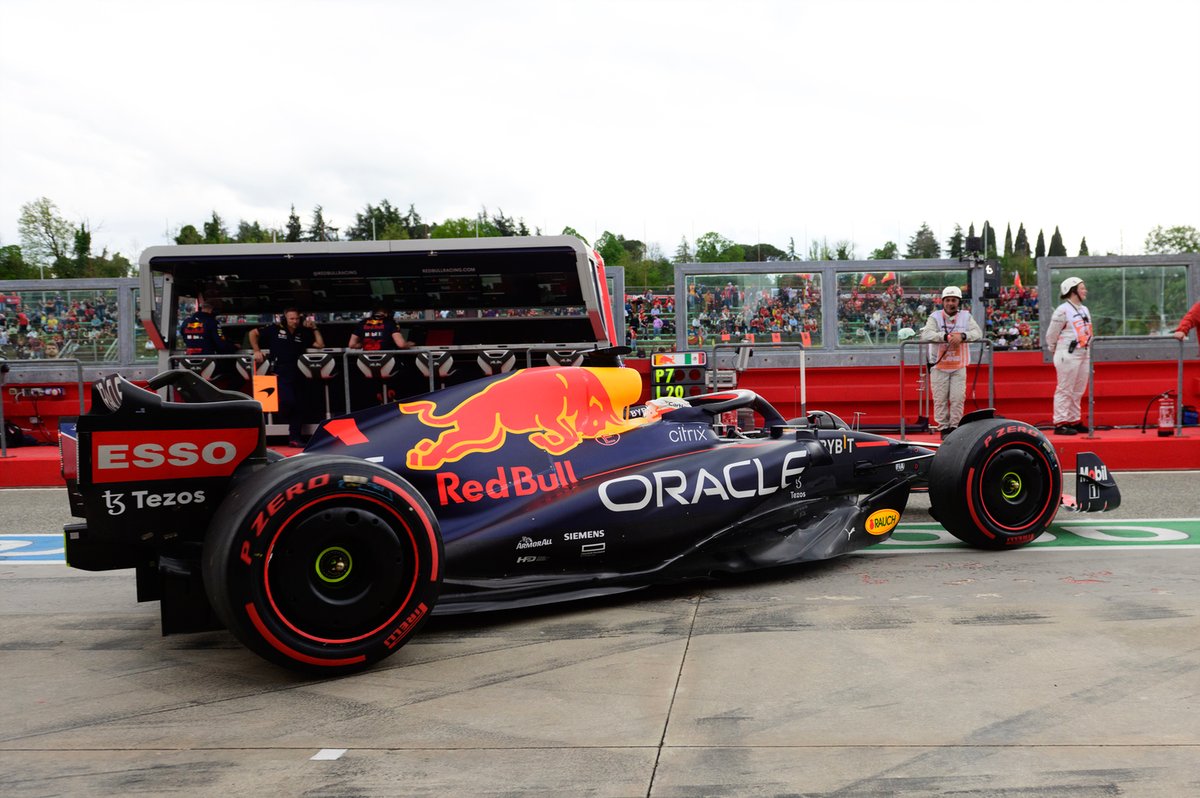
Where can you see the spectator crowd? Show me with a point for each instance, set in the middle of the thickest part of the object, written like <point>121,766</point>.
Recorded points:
<point>36,325</point>
<point>867,314</point>
<point>81,324</point>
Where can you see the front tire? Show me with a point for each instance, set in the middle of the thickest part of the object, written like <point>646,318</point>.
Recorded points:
<point>995,484</point>
<point>323,564</point>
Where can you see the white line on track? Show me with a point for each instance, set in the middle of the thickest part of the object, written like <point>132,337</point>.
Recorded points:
<point>326,754</point>
<point>1030,549</point>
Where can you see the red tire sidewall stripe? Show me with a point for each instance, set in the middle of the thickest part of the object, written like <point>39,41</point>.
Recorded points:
<point>971,489</point>
<point>416,506</point>
<point>399,610</point>
<point>288,651</point>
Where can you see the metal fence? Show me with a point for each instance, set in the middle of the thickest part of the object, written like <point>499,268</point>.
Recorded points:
<point>1149,343</point>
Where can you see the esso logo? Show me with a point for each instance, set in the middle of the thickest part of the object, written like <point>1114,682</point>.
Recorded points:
<point>169,454</point>
<point>153,455</point>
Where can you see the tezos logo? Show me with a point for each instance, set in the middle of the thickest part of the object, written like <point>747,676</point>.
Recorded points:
<point>114,503</point>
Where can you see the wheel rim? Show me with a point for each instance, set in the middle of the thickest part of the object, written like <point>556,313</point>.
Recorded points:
<point>340,572</point>
<point>1013,488</point>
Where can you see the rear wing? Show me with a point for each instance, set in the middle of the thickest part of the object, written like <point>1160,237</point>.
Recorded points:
<point>144,471</point>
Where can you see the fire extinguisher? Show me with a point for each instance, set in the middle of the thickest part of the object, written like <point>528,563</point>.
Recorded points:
<point>1166,414</point>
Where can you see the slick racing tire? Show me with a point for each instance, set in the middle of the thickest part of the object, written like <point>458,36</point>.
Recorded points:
<point>995,484</point>
<point>323,564</point>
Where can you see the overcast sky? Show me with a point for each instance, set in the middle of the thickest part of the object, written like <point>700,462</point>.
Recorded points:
<point>656,120</point>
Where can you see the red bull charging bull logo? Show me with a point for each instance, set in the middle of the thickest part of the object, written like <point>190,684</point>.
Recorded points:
<point>558,408</point>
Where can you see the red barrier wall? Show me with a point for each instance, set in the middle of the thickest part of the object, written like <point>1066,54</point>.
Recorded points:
<point>1024,389</point>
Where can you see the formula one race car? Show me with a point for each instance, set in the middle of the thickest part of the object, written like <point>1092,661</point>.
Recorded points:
<point>540,485</point>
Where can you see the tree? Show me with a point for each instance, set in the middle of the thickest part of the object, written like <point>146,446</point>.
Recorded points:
<point>383,223</point>
<point>1083,250</point>
<point>710,247</point>
<point>955,245</point>
<point>634,250</point>
<point>414,225</point>
<point>989,240</point>
<point>1021,243</point>
<point>1019,259</point>
<point>1039,250</point>
<point>13,266</point>
<point>188,234</point>
<point>763,252</point>
<point>253,233</point>
<point>923,244</point>
<point>294,231</point>
<point>734,253</point>
<point>499,223</point>
<point>457,228</point>
<point>215,232</point>
<point>1172,240</point>
<point>320,230</point>
<point>45,235</point>
<point>505,226</point>
<point>843,250</point>
<point>81,263</point>
<point>1057,248</point>
<point>683,252</point>
<point>819,250</point>
<point>889,251</point>
<point>571,231</point>
<point>791,250</point>
<point>81,252</point>
<point>658,271</point>
<point>1008,242</point>
<point>115,265</point>
<point>612,249</point>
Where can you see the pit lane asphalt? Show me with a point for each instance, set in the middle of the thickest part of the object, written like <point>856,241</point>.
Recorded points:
<point>1066,672</point>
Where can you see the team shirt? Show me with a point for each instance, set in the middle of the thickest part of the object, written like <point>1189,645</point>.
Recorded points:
<point>376,333</point>
<point>286,348</point>
<point>202,335</point>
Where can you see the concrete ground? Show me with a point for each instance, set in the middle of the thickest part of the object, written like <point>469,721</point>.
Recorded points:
<point>1066,672</point>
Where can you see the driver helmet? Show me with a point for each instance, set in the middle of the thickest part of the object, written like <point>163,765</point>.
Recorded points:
<point>906,333</point>
<point>952,290</point>
<point>657,408</point>
<point>1067,285</point>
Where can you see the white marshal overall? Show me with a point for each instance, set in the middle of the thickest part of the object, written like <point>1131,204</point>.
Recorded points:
<point>1068,336</point>
<point>948,377</point>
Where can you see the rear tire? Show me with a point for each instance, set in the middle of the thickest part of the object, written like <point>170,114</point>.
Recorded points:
<point>323,564</point>
<point>995,484</point>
